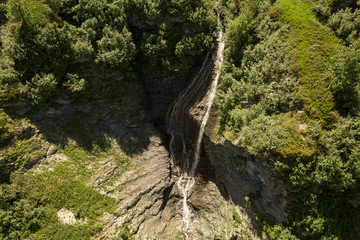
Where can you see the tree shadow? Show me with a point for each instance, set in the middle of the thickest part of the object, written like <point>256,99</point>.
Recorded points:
<point>112,110</point>
<point>93,128</point>
<point>247,181</point>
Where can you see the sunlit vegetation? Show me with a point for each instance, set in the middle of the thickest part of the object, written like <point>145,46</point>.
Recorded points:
<point>290,91</point>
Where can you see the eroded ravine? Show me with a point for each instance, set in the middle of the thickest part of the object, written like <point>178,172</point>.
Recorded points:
<point>186,150</point>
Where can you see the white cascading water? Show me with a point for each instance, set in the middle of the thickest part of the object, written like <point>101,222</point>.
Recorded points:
<point>187,178</point>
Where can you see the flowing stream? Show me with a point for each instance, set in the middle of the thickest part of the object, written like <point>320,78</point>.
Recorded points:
<point>184,150</point>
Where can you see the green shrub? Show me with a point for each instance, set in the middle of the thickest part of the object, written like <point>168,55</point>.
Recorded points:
<point>157,44</point>
<point>146,9</point>
<point>74,83</point>
<point>116,49</point>
<point>125,232</point>
<point>2,10</point>
<point>238,33</point>
<point>338,165</point>
<point>19,218</point>
<point>33,51</point>
<point>322,9</point>
<point>346,24</point>
<point>188,48</point>
<point>280,232</point>
<point>346,69</point>
<point>199,13</point>
<point>41,88</point>
<point>236,216</point>
<point>257,87</point>
<point>83,48</point>
<point>263,134</point>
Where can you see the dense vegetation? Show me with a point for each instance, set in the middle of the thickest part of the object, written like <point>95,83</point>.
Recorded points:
<point>289,91</point>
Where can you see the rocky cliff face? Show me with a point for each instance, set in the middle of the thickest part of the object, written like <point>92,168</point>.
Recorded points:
<point>228,178</point>
<point>247,179</point>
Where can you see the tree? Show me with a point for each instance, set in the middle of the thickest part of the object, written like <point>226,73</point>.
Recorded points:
<point>41,88</point>
<point>239,32</point>
<point>37,50</point>
<point>346,24</point>
<point>74,83</point>
<point>116,49</point>
<point>346,69</point>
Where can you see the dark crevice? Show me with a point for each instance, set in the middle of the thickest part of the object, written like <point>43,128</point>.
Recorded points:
<point>166,196</point>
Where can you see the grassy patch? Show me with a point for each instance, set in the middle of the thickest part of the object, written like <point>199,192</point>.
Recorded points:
<point>5,128</point>
<point>64,183</point>
<point>312,46</point>
<point>59,231</point>
<point>236,217</point>
<point>21,153</point>
<point>66,186</point>
<point>298,143</point>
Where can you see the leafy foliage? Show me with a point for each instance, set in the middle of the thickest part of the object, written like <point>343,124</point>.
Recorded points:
<point>146,9</point>
<point>116,49</point>
<point>249,94</point>
<point>346,68</point>
<point>19,218</point>
<point>346,24</point>
<point>41,88</point>
<point>74,83</point>
<point>239,31</point>
<point>198,12</point>
<point>281,233</point>
<point>339,165</point>
<point>3,8</point>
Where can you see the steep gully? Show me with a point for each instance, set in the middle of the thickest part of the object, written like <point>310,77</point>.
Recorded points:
<point>184,150</point>
<point>160,198</point>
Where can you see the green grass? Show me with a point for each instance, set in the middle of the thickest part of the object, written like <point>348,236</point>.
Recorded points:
<point>298,144</point>
<point>20,153</point>
<point>66,186</point>
<point>63,184</point>
<point>60,231</point>
<point>312,46</point>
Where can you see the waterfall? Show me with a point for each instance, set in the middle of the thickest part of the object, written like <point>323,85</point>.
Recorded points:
<point>183,149</point>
